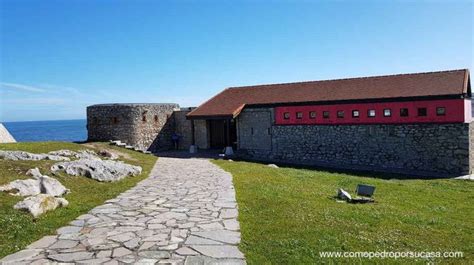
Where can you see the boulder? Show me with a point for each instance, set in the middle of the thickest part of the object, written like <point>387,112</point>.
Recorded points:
<point>39,184</point>
<point>23,187</point>
<point>41,203</point>
<point>101,170</point>
<point>34,172</point>
<point>108,154</point>
<point>21,155</point>
<point>52,187</point>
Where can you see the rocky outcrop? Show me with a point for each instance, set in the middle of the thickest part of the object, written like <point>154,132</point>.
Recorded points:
<point>63,152</point>
<point>41,203</point>
<point>5,136</point>
<point>22,187</point>
<point>37,185</point>
<point>101,170</point>
<point>21,155</point>
<point>86,154</point>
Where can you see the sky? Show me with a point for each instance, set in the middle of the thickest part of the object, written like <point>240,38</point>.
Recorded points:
<point>57,57</point>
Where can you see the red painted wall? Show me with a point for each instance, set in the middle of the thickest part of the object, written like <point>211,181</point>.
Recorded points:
<point>454,113</point>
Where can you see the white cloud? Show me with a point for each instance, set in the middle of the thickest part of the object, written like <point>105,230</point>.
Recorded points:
<point>22,87</point>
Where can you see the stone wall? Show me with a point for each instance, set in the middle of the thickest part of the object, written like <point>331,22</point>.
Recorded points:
<point>146,126</point>
<point>183,128</point>
<point>201,132</point>
<point>254,130</point>
<point>417,149</point>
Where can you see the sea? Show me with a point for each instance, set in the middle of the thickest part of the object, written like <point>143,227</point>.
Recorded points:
<point>38,131</point>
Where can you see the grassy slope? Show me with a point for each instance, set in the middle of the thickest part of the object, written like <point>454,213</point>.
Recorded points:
<point>18,229</point>
<point>288,215</point>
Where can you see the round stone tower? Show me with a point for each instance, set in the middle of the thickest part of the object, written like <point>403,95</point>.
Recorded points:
<point>147,126</point>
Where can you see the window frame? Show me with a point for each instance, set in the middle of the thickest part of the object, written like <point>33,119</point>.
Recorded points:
<point>338,114</point>
<point>369,111</point>
<point>326,114</point>
<point>286,115</point>
<point>389,112</point>
<point>312,114</point>
<point>419,110</point>
<point>407,112</point>
<point>440,114</point>
<point>358,113</point>
<point>298,113</point>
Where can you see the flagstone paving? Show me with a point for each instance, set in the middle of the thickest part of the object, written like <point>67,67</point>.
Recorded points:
<point>185,212</point>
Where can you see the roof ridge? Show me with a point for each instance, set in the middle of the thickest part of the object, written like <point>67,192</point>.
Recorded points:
<point>350,78</point>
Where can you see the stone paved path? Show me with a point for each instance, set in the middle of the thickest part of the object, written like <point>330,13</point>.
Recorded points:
<point>184,213</point>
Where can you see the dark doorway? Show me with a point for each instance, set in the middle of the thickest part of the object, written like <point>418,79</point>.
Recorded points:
<point>217,133</point>
<point>222,133</point>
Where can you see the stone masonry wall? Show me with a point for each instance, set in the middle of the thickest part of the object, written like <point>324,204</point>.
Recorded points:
<point>201,133</point>
<point>146,126</point>
<point>419,149</point>
<point>183,128</point>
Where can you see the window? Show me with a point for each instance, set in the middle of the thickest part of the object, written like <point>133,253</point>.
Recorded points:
<point>371,113</point>
<point>403,112</point>
<point>326,114</point>
<point>355,113</point>
<point>299,115</point>
<point>440,111</point>
<point>143,118</point>
<point>340,114</point>
<point>312,114</point>
<point>387,112</point>
<point>286,115</point>
<point>422,112</point>
<point>114,120</point>
<point>156,118</point>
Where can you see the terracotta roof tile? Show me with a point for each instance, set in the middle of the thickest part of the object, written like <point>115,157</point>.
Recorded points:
<point>232,100</point>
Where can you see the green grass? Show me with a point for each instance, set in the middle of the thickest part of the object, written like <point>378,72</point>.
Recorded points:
<point>18,229</point>
<point>288,216</point>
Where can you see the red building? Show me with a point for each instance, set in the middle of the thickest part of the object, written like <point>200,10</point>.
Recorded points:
<point>405,123</point>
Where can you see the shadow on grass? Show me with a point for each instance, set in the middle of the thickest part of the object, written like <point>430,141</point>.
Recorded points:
<point>353,172</point>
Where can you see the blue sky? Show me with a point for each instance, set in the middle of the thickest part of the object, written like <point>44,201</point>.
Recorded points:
<point>57,57</point>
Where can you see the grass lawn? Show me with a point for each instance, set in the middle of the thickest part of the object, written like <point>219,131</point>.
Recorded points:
<point>18,229</point>
<point>288,216</point>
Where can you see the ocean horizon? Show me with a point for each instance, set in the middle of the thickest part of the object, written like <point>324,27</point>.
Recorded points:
<point>52,130</point>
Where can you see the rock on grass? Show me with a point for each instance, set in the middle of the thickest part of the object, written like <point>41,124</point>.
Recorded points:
<point>38,184</point>
<point>101,170</point>
<point>41,203</point>
<point>21,155</point>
